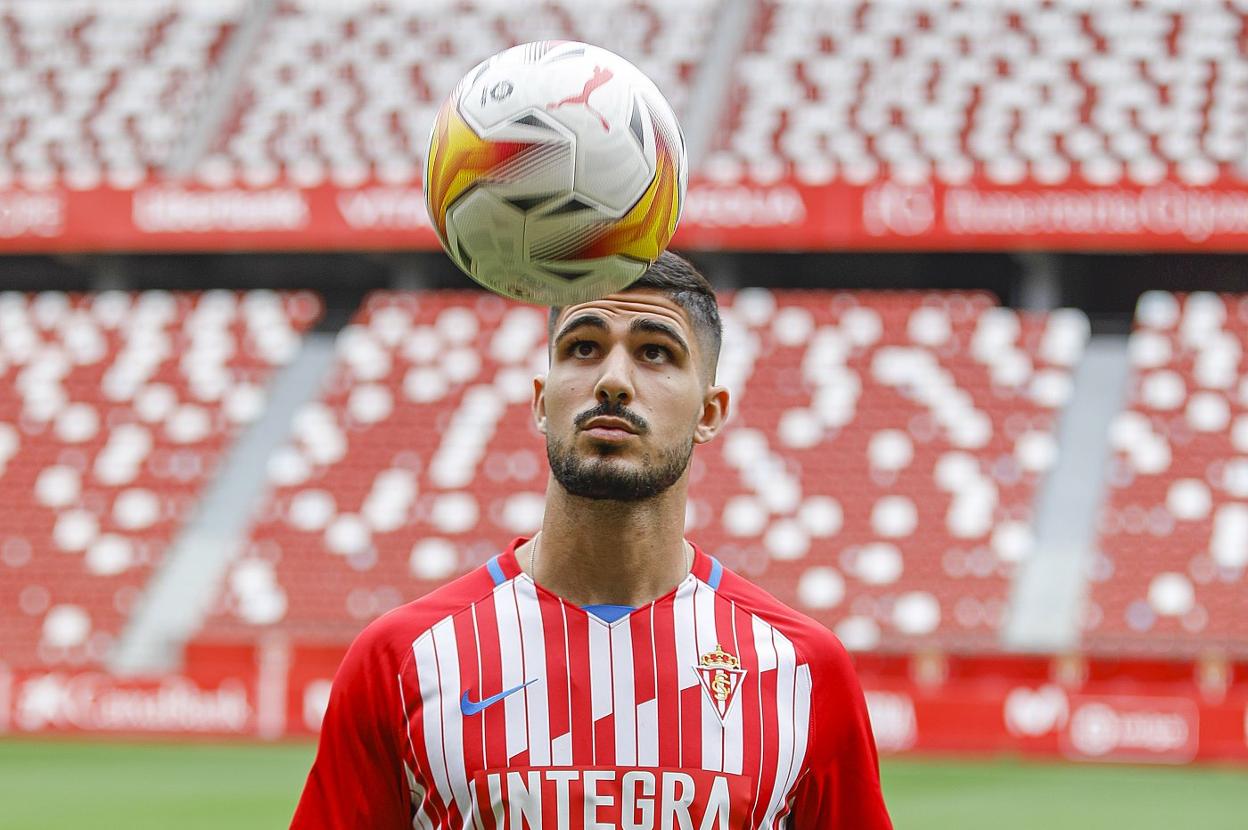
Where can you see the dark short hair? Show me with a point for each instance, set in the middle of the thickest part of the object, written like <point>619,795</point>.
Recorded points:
<point>675,276</point>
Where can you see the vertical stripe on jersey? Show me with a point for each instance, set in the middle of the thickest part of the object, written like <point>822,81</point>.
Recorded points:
<point>599,668</point>
<point>582,741</point>
<point>706,630</point>
<point>601,690</point>
<point>420,820</point>
<point>623,698</point>
<point>476,809</point>
<point>646,688</point>
<point>732,734</point>
<point>688,691</point>
<point>424,803</point>
<point>436,654</point>
<point>648,734</point>
<point>493,719</point>
<point>561,750</point>
<point>750,702</point>
<point>686,644</point>
<point>446,650</point>
<point>537,696</point>
<point>557,679</point>
<point>765,649</point>
<point>431,715</point>
<point>469,638</point>
<point>786,722</point>
<point>510,648</point>
<point>801,731</point>
<point>663,627</point>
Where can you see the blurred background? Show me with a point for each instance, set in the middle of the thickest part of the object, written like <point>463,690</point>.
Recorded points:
<point>983,279</point>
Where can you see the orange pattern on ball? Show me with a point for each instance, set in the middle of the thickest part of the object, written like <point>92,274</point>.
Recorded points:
<point>458,159</point>
<point>645,230</point>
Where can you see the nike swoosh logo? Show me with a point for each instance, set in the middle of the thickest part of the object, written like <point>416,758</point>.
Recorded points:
<point>469,708</point>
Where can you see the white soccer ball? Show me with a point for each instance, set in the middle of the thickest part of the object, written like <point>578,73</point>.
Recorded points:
<point>555,173</point>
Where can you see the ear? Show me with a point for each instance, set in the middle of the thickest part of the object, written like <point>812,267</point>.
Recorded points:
<point>714,414</point>
<point>539,403</point>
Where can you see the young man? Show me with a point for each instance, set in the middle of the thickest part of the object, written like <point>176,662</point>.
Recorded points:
<point>606,673</point>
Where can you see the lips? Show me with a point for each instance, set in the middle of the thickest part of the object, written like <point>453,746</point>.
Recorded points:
<point>609,424</point>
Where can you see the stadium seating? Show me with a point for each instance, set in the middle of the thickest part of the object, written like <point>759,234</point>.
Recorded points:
<point>1169,577</point>
<point>1015,91</point>
<point>878,472</point>
<point>114,410</point>
<point>100,93</point>
<point>346,91</point>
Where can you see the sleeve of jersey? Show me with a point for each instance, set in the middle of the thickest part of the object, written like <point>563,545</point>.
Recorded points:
<point>357,777</point>
<point>840,789</point>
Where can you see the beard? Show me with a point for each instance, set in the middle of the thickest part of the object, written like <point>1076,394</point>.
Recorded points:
<point>599,477</point>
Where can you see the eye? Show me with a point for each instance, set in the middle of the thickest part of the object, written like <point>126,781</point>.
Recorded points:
<point>655,354</point>
<point>583,348</point>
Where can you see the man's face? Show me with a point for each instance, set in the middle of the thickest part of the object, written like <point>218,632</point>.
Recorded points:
<point>626,397</point>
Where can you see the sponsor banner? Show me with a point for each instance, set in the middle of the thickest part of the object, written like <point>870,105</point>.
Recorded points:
<point>1163,730</point>
<point>38,215</point>
<point>172,217</point>
<point>165,216</point>
<point>976,215</point>
<point>275,690</point>
<point>1135,729</point>
<point>88,701</point>
<point>1047,720</point>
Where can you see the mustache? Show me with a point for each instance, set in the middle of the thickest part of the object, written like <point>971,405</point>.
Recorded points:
<point>606,410</point>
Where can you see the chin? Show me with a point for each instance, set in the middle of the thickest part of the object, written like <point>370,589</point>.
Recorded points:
<point>610,459</point>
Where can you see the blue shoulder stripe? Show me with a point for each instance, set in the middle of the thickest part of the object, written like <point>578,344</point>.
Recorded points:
<point>717,573</point>
<point>496,571</point>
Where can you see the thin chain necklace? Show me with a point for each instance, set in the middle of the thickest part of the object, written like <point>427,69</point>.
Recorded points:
<point>537,541</point>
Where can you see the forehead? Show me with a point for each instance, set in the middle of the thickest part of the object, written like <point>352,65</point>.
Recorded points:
<point>625,306</point>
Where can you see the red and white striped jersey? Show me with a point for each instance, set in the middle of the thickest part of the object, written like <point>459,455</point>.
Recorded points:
<point>493,704</point>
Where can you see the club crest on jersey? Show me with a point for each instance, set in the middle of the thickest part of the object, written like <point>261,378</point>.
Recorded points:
<point>721,676</point>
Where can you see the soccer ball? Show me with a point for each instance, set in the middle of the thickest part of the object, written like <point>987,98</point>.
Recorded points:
<point>555,173</point>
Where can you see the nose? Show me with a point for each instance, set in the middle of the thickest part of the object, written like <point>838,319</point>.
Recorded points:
<point>615,385</point>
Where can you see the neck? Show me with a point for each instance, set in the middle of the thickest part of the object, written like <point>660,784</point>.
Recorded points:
<point>597,552</point>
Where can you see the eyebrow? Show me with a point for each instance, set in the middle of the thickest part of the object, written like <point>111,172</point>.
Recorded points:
<point>592,321</point>
<point>645,324</point>
<point>641,325</point>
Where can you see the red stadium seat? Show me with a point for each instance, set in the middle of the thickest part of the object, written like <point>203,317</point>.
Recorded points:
<point>1008,92</point>
<point>99,94</point>
<point>825,91</point>
<point>1169,576</point>
<point>346,92</point>
<point>118,407</point>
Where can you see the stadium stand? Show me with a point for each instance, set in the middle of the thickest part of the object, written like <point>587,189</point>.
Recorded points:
<point>347,91</point>
<point>879,471</point>
<point>1106,93</point>
<point>344,92</point>
<point>1174,534</point>
<point>97,94</point>
<point>114,410</point>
